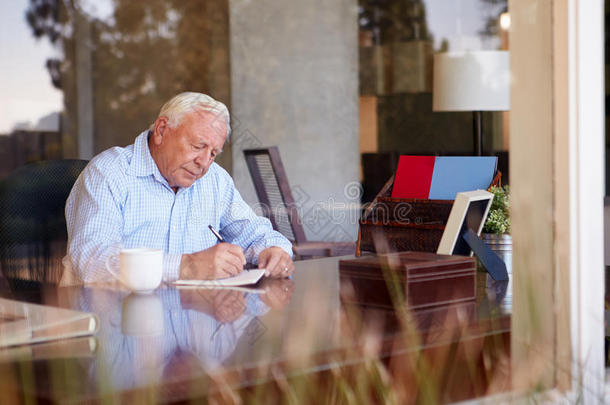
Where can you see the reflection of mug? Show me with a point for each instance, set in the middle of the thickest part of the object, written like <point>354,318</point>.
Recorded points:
<point>139,269</point>
<point>142,315</point>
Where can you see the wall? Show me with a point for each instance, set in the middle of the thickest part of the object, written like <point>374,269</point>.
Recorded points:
<point>556,144</point>
<point>531,166</point>
<point>294,84</point>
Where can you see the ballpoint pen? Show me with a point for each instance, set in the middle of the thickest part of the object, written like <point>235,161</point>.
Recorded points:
<point>218,236</point>
<point>215,232</point>
<point>218,328</point>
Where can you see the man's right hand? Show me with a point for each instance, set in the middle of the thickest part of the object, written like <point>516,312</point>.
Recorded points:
<point>220,261</point>
<point>224,305</point>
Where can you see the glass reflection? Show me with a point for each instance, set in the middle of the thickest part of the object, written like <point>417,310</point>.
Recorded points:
<point>114,63</point>
<point>397,43</point>
<point>175,333</point>
<point>501,292</point>
<point>457,25</point>
<point>142,315</point>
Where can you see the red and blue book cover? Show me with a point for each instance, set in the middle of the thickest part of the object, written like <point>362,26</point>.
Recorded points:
<point>442,177</point>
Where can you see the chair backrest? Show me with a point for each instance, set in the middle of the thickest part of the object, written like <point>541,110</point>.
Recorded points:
<point>273,191</point>
<point>32,220</point>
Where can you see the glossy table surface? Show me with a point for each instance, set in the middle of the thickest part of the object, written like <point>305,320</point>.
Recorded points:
<point>288,338</point>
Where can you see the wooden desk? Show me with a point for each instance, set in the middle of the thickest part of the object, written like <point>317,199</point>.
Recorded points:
<point>296,341</point>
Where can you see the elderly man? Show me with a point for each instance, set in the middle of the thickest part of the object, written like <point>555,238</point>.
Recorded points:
<point>163,192</point>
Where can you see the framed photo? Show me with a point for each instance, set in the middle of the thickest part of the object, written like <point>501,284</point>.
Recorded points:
<point>469,211</point>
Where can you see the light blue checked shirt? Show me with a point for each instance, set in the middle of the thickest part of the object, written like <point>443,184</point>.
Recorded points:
<point>121,200</point>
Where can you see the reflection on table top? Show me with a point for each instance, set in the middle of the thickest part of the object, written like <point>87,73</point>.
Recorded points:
<point>289,334</point>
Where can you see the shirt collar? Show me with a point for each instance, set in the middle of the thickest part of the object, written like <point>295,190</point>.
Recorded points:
<point>142,162</point>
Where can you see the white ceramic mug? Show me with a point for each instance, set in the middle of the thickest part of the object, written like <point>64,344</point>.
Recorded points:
<point>140,270</point>
<point>142,315</point>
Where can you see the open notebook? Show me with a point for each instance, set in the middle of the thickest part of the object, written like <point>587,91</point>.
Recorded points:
<point>23,323</point>
<point>247,277</point>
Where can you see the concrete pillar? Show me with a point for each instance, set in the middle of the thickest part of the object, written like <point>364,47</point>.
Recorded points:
<point>294,84</point>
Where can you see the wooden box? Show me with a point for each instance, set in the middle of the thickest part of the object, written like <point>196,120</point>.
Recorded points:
<point>417,279</point>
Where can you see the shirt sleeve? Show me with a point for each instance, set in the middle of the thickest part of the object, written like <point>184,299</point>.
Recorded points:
<point>240,225</point>
<point>94,222</point>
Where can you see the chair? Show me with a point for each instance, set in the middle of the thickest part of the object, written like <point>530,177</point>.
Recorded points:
<point>33,231</point>
<point>277,203</point>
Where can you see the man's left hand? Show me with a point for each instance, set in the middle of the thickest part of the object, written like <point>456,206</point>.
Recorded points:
<point>277,292</point>
<point>276,261</point>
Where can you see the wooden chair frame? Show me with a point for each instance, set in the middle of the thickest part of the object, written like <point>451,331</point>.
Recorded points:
<point>301,246</point>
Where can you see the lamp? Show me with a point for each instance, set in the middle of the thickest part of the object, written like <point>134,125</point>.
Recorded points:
<point>472,81</point>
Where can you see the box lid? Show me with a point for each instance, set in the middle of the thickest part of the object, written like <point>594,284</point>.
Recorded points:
<point>410,265</point>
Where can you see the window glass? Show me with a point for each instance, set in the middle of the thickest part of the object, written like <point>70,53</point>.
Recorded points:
<point>95,73</point>
<point>398,40</point>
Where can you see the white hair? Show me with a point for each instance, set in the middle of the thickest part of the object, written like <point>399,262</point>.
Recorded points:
<point>187,102</point>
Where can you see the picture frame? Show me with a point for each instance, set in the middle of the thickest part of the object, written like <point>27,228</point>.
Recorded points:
<point>469,211</point>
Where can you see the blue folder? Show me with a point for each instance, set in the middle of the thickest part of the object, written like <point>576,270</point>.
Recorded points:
<point>453,174</point>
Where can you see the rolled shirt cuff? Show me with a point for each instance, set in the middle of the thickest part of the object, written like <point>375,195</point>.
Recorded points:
<point>171,266</point>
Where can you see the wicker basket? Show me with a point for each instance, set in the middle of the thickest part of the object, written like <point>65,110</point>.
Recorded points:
<point>403,224</point>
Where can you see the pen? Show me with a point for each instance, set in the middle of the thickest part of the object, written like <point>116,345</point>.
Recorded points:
<point>219,328</point>
<point>215,232</point>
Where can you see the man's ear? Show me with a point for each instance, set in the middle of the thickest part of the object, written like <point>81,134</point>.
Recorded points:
<point>159,130</point>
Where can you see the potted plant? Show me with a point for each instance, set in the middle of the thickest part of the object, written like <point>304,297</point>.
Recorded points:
<point>496,231</point>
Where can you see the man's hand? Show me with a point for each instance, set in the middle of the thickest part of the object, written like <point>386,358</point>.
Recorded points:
<point>277,292</point>
<point>219,261</point>
<point>276,261</point>
<point>224,305</point>
<point>229,305</point>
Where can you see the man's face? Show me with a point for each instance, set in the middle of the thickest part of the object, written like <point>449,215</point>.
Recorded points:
<point>184,154</point>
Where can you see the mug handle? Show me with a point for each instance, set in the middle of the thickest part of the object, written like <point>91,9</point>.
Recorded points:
<point>114,274</point>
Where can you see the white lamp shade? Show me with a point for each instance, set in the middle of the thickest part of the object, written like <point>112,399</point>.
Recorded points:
<point>471,81</point>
